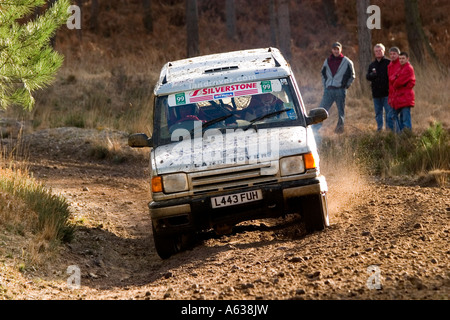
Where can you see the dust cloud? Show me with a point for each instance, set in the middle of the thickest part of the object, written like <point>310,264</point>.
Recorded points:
<point>345,179</point>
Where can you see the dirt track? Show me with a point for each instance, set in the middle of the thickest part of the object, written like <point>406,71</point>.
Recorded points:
<point>399,231</point>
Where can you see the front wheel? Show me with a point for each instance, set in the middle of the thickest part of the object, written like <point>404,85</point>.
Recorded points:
<point>315,212</point>
<point>168,245</point>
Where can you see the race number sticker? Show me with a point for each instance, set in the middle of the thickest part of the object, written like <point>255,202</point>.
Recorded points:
<point>180,98</point>
<point>266,86</point>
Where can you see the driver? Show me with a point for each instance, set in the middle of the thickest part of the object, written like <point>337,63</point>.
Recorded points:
<point>188,112</point>
<point>262,104</point>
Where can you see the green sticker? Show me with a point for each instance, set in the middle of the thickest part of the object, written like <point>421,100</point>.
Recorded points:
<point>266,86</point>
<point>180,98</point>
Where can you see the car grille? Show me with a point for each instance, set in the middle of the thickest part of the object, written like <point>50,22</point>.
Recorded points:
<point>231,178</point>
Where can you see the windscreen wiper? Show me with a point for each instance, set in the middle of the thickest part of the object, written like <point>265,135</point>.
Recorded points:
<point>269,115</point>
<point>214,121</point>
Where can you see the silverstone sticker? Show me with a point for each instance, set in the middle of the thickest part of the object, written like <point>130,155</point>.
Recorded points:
<point>222,92</point>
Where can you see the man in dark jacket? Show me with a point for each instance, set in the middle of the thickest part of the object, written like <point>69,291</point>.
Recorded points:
<point>377,74</point>
<point>338,74</point>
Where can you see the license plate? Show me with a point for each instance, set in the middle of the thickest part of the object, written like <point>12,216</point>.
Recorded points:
<point>237,198</point>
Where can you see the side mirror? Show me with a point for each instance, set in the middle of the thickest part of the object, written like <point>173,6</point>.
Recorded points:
<point>139,140</point>
<point>316,116</point>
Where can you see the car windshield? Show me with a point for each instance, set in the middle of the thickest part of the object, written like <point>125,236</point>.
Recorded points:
<point>260,104</point>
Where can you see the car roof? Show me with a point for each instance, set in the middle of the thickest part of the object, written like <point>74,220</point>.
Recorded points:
<point>222,68</point>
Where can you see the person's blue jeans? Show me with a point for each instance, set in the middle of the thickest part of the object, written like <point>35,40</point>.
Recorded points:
<point>381,104</point>
<point>329,97</point>
<point>402,119</point>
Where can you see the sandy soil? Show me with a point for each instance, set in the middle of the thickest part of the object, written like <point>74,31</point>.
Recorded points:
<point>395,233</point>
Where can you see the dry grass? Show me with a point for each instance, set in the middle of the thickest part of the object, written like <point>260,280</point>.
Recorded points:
<point>21,239</point>
<point>51,210</point>
<point>28,210</point>
<point>108,148</point>
<point>442,177</point>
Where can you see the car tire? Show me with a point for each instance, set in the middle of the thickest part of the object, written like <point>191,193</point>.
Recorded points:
<point>168,245</point>
<point>315,212</point>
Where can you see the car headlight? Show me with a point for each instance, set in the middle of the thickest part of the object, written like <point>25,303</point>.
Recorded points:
<point>175,182</point>
<point>292,165</point>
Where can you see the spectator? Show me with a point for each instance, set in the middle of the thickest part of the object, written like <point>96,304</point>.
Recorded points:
<point>393,68</point>
<point>338,74</point>
<point>378,76</point>
<point>404,99</point>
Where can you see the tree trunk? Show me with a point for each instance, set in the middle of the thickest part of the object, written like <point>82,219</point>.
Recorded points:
<point>417,40</point>
<point>364,42</point>
<point>79,32</point>
<point>94,15</point>
<point>148,20</point>
<point>192,28</point>
<point>231,19</point>
<point>329,7</point>
<point>273,23</point>
<point>284,30</point>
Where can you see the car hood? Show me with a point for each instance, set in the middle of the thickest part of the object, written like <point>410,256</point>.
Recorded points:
<point>235,147</point>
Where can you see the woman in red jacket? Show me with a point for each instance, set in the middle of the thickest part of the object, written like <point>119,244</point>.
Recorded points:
<point>393,69</point>
<point>403,98</point>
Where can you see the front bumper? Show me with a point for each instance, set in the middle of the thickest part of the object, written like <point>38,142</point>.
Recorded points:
<point>195,213</point>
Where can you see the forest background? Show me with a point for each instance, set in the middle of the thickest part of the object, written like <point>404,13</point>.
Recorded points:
<point>113,61</point>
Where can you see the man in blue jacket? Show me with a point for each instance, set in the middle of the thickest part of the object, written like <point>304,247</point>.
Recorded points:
<point>338,74</point>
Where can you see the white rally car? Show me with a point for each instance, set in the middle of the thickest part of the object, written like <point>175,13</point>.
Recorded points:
<point>231,142</point>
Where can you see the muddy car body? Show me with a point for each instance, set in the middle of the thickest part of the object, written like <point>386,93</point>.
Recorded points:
<point>231,142</point>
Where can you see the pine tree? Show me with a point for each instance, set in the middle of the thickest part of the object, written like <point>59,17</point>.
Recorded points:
<point>27,60</point>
